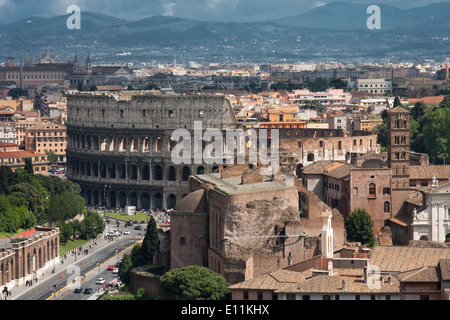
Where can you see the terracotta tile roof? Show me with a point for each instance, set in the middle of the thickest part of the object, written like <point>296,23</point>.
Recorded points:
<point>19,154</point>
<point>426,274</point>
<point>272,281</point>
<point>435,100</point>
<point>405,258</point>
<point>325,284</point>
<point>444,266</point>
<point>427,172</point>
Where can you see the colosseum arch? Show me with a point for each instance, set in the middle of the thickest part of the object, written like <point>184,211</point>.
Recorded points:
<point>157,173</point>
<point>122,199</point>
<point>95,169</point>
<point>122,171</point>
<point>134,145</point>
<point>95,143</point>
<point>145,201</point>
<point>112,171</point>
<point>133,172</point>
<point>171,201</point>
<point>133,199</point>
<point>112,144</point>
<point>186,173</point>
<point>146,145</point>
<point>88,143</point>
<point>172,174</point>
<point>112,199</point>
<point>145,172</point>
<point>102,170</point>
<point>158,201</point>
<point>103,144</point>
<point>123,144</point>
<point>88,169</point>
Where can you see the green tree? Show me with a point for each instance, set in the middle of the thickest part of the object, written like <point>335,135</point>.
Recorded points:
<point>125,268</point>
<point>319,85</point>
<point>418,111</point>
<point>445,103</point>
<point>437,135</point>
<point>338,83</point>
<point>52,157</point>
<point>150,244</point>
<point>359,227</point>
<point>397,102</point>
<point>16,93</point>
<point>194,283</point>
<point>136,256</point>
<point>34,199</point>
<point>381,132</point>
<point>65,232</point>
<point>29,166</point>
<point>92,225</point>
<point>64,207</point>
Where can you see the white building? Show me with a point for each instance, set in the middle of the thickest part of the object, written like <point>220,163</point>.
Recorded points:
<point>380,86</point>
<point>433,222</point>
<point>329,98</point>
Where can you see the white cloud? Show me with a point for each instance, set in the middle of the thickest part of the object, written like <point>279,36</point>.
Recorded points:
<point>169,9</point>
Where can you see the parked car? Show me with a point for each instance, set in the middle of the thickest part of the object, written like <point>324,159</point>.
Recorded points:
<point>138,228</point>
<point>126,232</point>
<point>116,270</point>
<point>77,290</point>
<point>100,281</point>
<point>111,267</point>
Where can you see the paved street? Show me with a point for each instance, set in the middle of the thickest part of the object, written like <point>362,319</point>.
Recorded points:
<point>91,264</point>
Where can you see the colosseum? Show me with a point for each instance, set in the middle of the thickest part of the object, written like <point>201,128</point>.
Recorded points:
<point>119,145</point>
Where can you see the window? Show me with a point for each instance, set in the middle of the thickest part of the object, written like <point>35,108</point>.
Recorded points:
<point>245,295</point>
<point>260,295</point>
<point>299,144</point>
<point>290,296</point>
<point>326,297</point>
<point>306,297</point>
<point>372,190</point>
<point>386,190</point>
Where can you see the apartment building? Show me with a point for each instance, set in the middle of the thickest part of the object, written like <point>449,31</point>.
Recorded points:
<point>47,136</point>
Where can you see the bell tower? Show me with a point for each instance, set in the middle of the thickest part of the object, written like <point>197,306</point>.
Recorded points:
<point>398,155</point>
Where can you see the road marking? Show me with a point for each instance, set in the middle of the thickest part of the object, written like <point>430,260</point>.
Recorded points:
<point>128,248</point>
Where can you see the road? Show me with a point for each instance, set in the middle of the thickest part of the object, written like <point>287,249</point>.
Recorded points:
<point>88,267</point>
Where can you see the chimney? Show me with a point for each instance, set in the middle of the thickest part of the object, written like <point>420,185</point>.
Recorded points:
<point>344,285</point>
<point>365,274</point>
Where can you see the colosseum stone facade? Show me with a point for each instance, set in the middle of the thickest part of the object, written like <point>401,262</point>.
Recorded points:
<point>119,145</point>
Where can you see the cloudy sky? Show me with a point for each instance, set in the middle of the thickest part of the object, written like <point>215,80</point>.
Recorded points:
<point>206,10</point>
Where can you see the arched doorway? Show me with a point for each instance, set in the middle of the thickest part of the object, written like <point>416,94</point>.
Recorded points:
<point>145,201</point>
<point>158,201</point>
<point>122,199</point>
<point>171,201</point>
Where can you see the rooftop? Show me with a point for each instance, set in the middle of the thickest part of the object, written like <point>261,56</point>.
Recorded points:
<point>234,185</point>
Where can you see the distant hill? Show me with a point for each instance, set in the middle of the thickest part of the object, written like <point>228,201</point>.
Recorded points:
<point>346,16</point>
<point>336,31</point>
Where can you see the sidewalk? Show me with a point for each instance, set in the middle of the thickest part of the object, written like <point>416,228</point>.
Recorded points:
<point>48,278</point>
